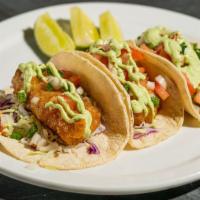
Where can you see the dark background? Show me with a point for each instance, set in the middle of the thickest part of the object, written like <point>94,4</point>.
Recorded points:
<point>11,189</point>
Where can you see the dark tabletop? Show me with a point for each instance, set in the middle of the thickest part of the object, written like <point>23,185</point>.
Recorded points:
<point>12,189</point>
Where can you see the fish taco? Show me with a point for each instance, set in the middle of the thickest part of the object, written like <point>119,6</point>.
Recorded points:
<point>154,105</point>
<point>182,59</point>
<point>59,115</point>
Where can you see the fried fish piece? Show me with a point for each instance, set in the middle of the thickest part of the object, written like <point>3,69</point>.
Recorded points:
<point>71,134</point>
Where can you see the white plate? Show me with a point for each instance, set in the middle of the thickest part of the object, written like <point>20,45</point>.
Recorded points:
<point>169,164</point>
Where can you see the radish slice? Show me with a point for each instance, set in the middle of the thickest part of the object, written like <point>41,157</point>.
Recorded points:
<point>161,81</point>
<point>150,85</point>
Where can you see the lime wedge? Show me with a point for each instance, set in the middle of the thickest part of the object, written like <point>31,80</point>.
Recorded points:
<point>83,30</point>
<point>49,36</point>
<point>109,28</point>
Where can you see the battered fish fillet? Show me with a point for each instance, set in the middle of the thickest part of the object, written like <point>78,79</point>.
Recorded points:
<point>71,134</point>
<point>139,118</point>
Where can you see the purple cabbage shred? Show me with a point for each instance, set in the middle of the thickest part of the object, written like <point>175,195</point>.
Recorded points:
<point>149,131</point>
<point>93,149</point>
<point>15,117</point>
<point>6,101</point>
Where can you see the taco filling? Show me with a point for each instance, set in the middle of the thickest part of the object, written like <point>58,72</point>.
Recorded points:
<point>146,93</point>
<point>175,48</point>
<point>48,107</point>
<point>57,117</point>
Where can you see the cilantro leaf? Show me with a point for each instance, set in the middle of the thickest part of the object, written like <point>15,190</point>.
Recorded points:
<point>183,47</point>
<point>155,100</point>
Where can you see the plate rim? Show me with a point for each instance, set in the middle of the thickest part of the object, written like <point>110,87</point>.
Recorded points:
<point>97,2</point>
<point>30,180</point>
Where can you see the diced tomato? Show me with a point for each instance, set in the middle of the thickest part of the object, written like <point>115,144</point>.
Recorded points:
<point>161,92</point>
<point>66,74</point>
<point>126,75</point>
<point>70,102</point>
<point>142,69</point>
<point>70,76</point>
<point>143,83</point>
<point>75,80</point>
<point>137,55</point>
<point>124,51</point>
<point>189,84</point>
<point>101,58</point>
<point>161,51</point>
<point>104,60</point>
<point>197,98</point>
<point>124,56</point>
<point>145,47</point>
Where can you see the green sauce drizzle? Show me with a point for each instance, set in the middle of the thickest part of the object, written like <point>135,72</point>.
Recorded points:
<point>143,101</point>
<point>180,50</point>
<point>30,70</point>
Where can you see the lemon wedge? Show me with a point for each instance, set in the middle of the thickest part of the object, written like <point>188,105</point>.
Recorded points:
<point>49,36</point>
<point>109,28</point>
<point>83,30</point>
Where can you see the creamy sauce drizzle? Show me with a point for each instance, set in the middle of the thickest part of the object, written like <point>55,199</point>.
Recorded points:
<point>31,69</point>
<point>143,99</point>
<point>185,60</point>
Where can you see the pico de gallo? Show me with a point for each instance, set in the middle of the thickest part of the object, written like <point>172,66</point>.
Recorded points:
<point>123,61</point>
<point>175,48</point>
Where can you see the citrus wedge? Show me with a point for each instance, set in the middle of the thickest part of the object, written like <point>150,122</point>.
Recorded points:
<point>83,30</point>
<point>109,28</point>
<point>49,36</point>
